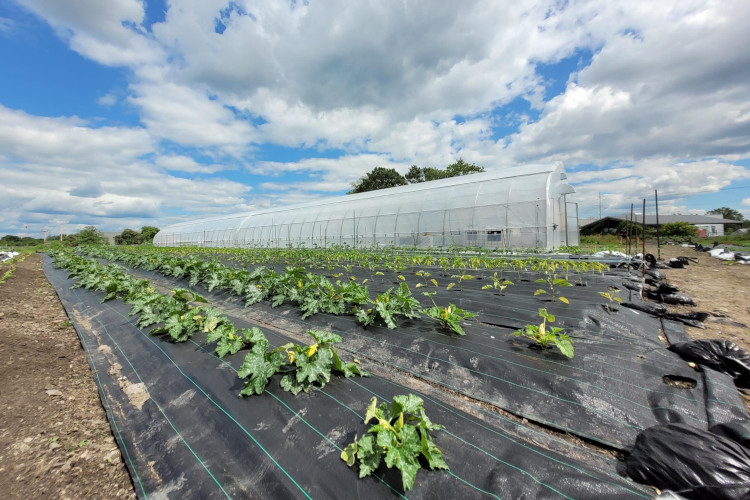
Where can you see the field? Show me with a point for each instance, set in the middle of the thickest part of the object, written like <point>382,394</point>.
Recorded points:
<point>485,383</point>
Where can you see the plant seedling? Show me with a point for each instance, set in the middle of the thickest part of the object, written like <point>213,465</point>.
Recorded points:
<point>611,297</point>
<point>498,284</point>
<point>461,278</point>
<point>552,283</point>
<point>449,317</point>
<point>545,336</point>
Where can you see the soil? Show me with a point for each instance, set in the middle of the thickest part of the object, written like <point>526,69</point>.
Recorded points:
<point>55,440</point>
<point>718,287</point>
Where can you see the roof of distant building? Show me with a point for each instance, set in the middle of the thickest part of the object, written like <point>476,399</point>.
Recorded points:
<point>663,219</point>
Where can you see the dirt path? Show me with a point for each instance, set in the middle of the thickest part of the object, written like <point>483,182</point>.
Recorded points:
<point>716,287</point>
<point>55,440</point>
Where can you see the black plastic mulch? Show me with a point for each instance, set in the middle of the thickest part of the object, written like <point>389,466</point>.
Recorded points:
<point>193,437</point>
<point>621,380</point>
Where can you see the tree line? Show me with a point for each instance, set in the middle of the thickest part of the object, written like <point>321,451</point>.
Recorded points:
<point>382,178</point>
<point>89,235</point>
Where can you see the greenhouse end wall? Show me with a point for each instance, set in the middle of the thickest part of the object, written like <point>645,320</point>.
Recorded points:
<point>519,207</point>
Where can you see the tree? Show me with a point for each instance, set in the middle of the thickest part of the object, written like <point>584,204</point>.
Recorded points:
<point>378,178</point>
<point>679,230</point>
<point>128,237</point>
<point>148,233</point>
<point>423,174</point>
<point>381,178</point>
<point>89,235</point>
<point>727,213</point>
<point>460,167</point>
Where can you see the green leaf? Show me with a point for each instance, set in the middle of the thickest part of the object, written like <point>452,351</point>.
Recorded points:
<point>316,368</point>
<point>540,291</point>
<point>565,346</point>
<point>404,457</point>
<point>368,454</point>
<point>324,337</point>
<point>229,344</point>
<point>290,383</point>
<point>563,299</point>
<point>407,404</point>
<point>259,370</point>
<point>349,454</point>
<point>255,336</point>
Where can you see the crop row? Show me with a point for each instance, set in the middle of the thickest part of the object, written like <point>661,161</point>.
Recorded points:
<point>312,293</point>
<point>386,259</point>
<point>179,318</point>
<point>398,438</point>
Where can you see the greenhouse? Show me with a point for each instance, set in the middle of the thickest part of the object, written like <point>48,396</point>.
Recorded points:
<point>519,207</point>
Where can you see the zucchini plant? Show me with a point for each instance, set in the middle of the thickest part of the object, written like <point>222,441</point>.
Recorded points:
<point>399,438</point>
<point>449,317</point>
<point>304,367</point>
<point>388,305</point>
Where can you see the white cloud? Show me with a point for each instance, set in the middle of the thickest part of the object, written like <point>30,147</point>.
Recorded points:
<point>56,168</point>
<point>68,140</point>
<point>677,87</point>
<point>675,181</point>
<point>664,104</point>
<point>108,32</point>
<point>181,163</point>
<point>190,117</point>
<point>107,100</point>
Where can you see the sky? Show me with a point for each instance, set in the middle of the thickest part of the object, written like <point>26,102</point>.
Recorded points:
<point>127,113</point>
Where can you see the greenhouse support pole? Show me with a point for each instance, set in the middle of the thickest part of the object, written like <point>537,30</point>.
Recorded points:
<point>565,204</point>
<point>658,241</point>
<point>643,242</point>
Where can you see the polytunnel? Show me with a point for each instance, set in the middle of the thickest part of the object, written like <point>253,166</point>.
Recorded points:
<point>519,207</point>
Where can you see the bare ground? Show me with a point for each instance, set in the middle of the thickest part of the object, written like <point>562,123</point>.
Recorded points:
<point>55,440</point>
<point>716,286</point>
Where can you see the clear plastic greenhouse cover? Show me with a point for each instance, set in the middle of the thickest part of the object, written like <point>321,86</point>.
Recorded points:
<point>519,207</point>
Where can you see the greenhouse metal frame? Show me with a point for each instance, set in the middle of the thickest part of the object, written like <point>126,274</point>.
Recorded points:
<point>518,207</point>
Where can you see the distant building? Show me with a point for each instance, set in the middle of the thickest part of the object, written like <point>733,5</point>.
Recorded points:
<point>708,226</point>
<point>521,207</point>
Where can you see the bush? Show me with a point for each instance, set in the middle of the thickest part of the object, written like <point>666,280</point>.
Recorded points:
<point>679,230</point>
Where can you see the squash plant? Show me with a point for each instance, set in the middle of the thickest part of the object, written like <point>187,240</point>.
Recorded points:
<point>304,367</point>
<point>399,438</point>
<point>449,317</point>
<point>388,305</point>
